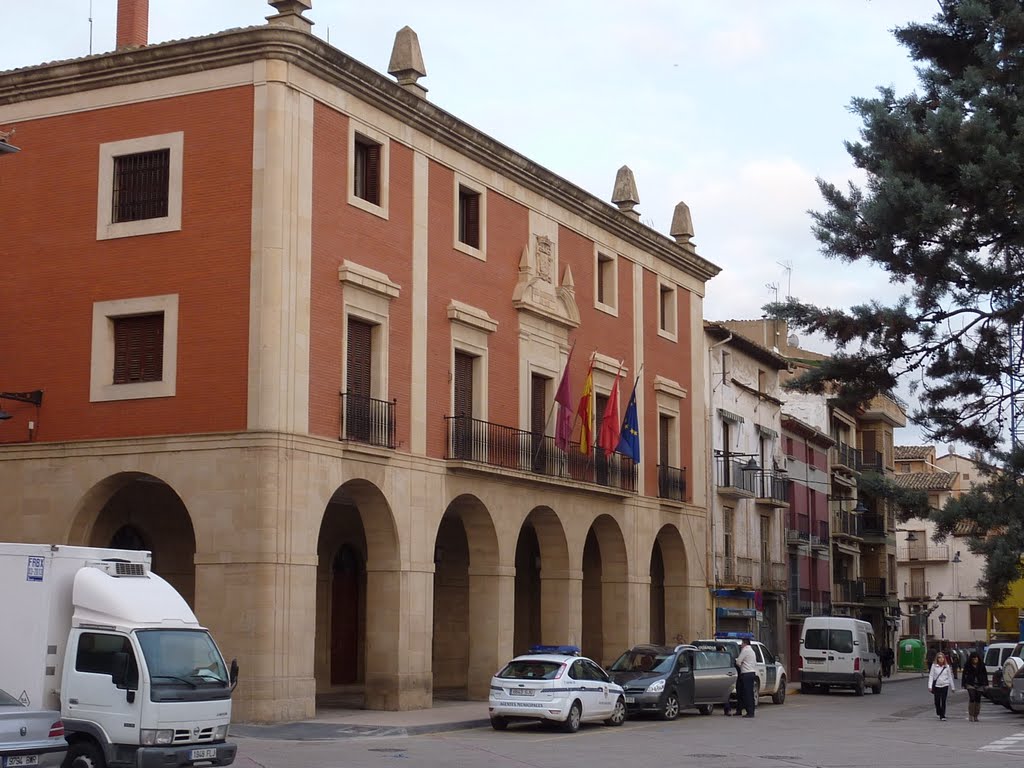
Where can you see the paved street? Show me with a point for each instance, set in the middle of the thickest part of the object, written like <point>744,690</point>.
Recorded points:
<point>897,729</point>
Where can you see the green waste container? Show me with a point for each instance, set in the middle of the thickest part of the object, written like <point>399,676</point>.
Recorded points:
<point>910,655</point>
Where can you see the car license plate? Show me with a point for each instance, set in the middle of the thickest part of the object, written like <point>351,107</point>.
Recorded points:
<point>631,699</point>
<point>521,691</point>
<point>202,754</point>
<point>15,761</point>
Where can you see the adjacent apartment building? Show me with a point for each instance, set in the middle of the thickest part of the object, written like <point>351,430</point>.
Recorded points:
<point>299,332</point>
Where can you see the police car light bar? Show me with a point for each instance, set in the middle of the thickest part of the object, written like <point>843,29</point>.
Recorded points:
<point>568,650</point>
<point>734,635</point>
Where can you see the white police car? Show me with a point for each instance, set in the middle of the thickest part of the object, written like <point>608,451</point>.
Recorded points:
<point>553,683</point>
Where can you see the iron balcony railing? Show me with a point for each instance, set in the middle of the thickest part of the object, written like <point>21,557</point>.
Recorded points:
<point>727,569</point>
<point>872,524</point>
<point>874,587</point>
<point>744,571</point>
<point>846,456</point>
<point>848,591</point>
<point>497,445</point>
<point>871,460</point>
<point>916,589</point>
<point>798,527</point>
<point>671,482</point>
<point>731,473</point>
<point>774,577</point>
<point>823,531</point>
<point>367,420</point>
<point>770,486</point>
<point>809,602</point>
<point>845,523</point>
<point>922,553</point>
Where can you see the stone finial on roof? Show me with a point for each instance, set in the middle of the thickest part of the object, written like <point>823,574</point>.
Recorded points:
<point>407,61</point>
<point>682,224</point>
<point>289,14</point>
<point>625,195</point>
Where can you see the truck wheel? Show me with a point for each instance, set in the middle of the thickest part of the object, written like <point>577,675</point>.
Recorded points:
<point>706,709</point>
<point>779,697</point>
<point>572,722</point>
<point>670,710</point>
<point>84,754</point>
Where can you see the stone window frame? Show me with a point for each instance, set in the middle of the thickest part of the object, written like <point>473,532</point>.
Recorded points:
<point>106,228</point>
<point>381,210</point>
<point>367,295</point>
<point>667,287</point>
<point>474,186</point>
<point>606,255</point>
<point>668,397</point>
<point>101,367</point>
<point>471,328</point>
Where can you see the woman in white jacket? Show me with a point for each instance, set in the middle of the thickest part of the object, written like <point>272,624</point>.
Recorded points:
<point>940,683</point>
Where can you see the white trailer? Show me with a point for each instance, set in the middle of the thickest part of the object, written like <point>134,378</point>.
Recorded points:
<point>95,634</point>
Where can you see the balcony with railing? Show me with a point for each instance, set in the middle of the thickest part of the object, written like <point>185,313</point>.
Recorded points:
<point>871,461</point>
<point>875,588</point>
<point>846,457</point>
<point>798,527</point>
<point>820,537</point>
<point>726,570</point>
<point>506,448</point>
<point>873,525</point>
<point>733,478</point>
<point>771,489</point>
<point>922,553</point>
<point>367,420</point>
<point>845,523</point>
<point>745,571</point>
<point>809,602</point>
<point>848,591</point>
<point>774,577</point>
<point>917,589</point>
<point>671,482</point>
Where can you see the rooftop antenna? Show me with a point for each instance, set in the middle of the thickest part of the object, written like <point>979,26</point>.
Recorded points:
<point>90,27</point>
<point>774,288</point>
<point>788,266</point>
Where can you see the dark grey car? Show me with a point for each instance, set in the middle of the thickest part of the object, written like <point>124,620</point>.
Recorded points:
<point>664,680</point>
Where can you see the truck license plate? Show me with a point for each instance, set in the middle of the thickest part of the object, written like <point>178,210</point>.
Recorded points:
<point>202,754</point>
<point>16,761</point>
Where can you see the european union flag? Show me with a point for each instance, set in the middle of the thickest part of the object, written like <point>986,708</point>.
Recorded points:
<point>629,437</point>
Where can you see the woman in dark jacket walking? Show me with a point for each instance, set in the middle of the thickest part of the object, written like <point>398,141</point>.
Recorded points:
<point>975,679</point>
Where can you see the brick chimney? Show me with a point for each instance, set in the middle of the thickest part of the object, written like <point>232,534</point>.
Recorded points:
<point>132,24</point>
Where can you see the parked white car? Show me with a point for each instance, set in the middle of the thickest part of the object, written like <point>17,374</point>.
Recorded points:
<point>771,673</point>
<point>555,684</point>
<point>839,652</point>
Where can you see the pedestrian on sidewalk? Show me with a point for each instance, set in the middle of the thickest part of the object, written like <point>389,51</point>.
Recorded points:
<point>975,679</point>
<point>940,683</point>
<point>747,664</point>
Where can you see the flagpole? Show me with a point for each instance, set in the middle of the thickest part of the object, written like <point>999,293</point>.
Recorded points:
<point>547,418</point>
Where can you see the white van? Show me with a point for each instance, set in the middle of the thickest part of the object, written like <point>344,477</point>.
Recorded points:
<point>839,652</point>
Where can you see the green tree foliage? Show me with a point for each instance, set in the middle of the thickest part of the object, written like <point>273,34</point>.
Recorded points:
<point>942,211</point>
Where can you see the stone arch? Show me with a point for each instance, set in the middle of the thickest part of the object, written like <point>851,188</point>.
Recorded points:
<point>467,599</point>
<point>547,592</point>
<point>358,599</point>
<point>153,512</point>
<point>605,605</point>
<point>670,588</point>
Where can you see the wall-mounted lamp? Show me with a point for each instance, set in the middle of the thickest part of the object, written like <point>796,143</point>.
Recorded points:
<point>34,398</point>
<point>956,557</point>
<point>5,146</point>
<point>861,508</point>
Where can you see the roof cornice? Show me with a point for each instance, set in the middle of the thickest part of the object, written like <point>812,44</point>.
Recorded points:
<point>245,46</point>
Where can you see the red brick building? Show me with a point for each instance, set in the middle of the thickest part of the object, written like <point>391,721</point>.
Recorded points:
<point>299,332</point>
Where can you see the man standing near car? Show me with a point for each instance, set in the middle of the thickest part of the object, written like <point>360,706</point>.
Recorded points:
<point>747,664</point>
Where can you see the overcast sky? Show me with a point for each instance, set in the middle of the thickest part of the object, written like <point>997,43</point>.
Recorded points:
<point>733,106</point>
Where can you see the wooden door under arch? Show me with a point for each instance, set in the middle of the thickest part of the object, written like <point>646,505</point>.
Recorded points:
<point>345,610</point>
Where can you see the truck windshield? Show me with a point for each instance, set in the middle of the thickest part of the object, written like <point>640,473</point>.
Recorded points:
<point>182,657</point>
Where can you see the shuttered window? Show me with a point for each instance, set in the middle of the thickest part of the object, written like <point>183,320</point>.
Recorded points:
<point>366,169</point>
<point>141,186</point>
<point>538,420</point>
<point>664,431</point>
<point>138,348</point>
<point>463,384</point>
<point>360,335</point>
<point>469,217</point>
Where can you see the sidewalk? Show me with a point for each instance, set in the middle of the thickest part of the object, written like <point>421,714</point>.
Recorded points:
<point>446,715</point>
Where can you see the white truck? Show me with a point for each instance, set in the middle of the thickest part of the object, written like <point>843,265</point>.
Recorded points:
<point>95,634</point>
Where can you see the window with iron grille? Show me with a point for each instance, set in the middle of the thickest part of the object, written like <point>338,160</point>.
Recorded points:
<point>366,169</point>
<point>469,217</point>
<point>141,186</point>
<point>138,348</point>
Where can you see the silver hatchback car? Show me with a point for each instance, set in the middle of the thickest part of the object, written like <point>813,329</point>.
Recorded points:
<point>29,738</point>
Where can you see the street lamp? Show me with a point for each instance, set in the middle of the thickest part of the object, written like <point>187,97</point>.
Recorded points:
<point>942,625</point>
<point>34,398</point>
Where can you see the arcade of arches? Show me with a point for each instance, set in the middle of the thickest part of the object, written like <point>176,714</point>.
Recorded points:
<point>390,609</point>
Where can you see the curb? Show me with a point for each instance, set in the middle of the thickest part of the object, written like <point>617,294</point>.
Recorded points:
<point>795,691</point>
<point>314,731</point>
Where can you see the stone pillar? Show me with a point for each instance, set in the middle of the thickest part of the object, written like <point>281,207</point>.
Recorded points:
<point>640,599</point>
<point>261,609</point>
<point>615,618</point>
<point>561,607</point>
<point>492,594</point>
